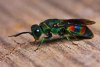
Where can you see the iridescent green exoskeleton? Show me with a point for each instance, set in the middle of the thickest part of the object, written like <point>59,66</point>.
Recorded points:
<point>62,27</point>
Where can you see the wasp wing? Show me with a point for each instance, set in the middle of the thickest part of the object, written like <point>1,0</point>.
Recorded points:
<point>79,21</point>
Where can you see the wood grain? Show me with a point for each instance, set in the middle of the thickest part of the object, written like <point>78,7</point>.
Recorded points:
<point>18,15</point>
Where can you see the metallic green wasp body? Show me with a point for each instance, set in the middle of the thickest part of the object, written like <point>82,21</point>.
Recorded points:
<point>71,27</point>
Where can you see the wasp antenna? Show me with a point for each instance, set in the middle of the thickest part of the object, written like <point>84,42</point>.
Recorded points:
<point>19,34</point>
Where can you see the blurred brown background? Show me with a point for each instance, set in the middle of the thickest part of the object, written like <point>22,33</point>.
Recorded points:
<point>18,15</point>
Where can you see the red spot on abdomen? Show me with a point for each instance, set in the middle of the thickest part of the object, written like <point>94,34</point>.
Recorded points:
<point>71,28</point>
<point>82,30</point>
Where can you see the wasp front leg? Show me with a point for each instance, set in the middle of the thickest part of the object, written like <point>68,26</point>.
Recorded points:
<point>49,35</point>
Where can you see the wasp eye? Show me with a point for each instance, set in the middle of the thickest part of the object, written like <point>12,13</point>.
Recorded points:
<point>37,30</point>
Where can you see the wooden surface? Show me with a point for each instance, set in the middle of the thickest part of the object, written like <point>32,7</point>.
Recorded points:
<point>18,15</point>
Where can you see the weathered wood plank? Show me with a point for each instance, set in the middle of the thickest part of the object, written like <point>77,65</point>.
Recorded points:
<point>19,15</point>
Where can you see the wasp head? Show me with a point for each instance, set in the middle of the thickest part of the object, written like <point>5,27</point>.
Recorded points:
<point>36,31</point>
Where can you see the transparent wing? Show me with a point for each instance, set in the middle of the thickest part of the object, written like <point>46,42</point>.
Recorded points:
<point>79,21</point>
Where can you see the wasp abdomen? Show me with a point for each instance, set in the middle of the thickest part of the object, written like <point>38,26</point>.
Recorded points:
<point>76,29</point>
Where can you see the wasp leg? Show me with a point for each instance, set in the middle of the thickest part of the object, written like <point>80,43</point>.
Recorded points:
<point>40,44</point>
<point>49,35</point>
<point>76,38</point>
<point>33,42</point>
<point>68,38</point>
<point>61,33</point>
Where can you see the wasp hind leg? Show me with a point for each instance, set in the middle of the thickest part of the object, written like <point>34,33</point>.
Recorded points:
<point>49,35</point>
<point>62,35</point>
<point>68,38</point>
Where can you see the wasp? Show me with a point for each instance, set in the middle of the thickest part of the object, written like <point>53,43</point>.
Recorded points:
<point>62,27</point>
